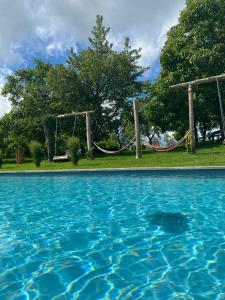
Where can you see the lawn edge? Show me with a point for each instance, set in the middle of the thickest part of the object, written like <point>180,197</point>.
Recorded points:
<point>99,170</point>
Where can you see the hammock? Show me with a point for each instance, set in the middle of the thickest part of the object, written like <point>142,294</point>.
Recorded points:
<point>59,158</point>
<point>113,152</point>
<point>170,148</point>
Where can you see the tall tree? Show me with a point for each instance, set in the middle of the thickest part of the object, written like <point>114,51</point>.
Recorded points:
<point>31,101</point>
<point>194,49</point>
<point>109,77</point>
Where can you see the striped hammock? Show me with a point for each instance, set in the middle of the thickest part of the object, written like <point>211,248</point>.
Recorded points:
<point>170,148</point>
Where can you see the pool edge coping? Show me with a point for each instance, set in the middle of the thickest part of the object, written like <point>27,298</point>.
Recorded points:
<point>193,168</point>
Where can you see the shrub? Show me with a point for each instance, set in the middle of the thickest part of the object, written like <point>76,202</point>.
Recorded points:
<point>1,158</point>
<point>35,149</point>
<point>111,145</point>
<point>73,147</point>
<point>188,141</point>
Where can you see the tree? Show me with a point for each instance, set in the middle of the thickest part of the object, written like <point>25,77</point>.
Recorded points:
<point>35,93</point>
<point>31,101</point>
<point>194,49</point>
<point>109,77</point>
<point>98,78</point>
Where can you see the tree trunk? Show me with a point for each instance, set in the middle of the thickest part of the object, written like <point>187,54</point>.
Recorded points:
<point>19,155</point>
<point>196,134</point>
<point>203,130</point>
<point>49,138</point>
<point>222,132</point>
<point>137,131</point>
<point>118,138</point>
<point>150,138</point>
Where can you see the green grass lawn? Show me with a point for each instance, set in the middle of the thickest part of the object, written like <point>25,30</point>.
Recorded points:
<point>206,155</point>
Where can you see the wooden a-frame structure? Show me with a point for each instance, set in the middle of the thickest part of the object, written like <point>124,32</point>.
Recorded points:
<point>87,114</point>
<point>190,86</point>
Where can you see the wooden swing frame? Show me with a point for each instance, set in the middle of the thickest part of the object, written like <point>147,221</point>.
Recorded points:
<point>190,86</point>
<point>87,114</point>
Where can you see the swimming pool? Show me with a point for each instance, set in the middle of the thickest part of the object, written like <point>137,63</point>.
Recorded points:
<point>112,236</point>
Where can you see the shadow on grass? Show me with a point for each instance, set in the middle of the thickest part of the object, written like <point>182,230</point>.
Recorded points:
<point>211,153</point>
<point>206,145</point>
<point>13,162</point>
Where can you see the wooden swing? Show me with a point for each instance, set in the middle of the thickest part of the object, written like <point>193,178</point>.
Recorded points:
<point>65,157</point>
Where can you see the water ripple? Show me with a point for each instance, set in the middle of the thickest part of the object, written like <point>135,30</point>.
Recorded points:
<point>116,237</point>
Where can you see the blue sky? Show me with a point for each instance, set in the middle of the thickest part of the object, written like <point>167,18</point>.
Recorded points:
<point>49,28</point>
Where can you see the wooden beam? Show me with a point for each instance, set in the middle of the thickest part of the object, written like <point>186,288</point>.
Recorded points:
<point>137,131</point>
<point>74,114</point>
<point>191,118</point>
<point>88,130</point>
<point>198,82</point>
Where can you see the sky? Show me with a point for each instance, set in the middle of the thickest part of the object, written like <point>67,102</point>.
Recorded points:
<point>49,28</point>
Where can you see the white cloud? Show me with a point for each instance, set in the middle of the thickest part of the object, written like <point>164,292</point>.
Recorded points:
<point>53,26</point>
<point>62,23</point>
<point>145,21</point>
<point>4,104</point>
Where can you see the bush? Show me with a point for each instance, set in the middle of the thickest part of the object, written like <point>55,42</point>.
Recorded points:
<point>111,145</point>
<point>73,147</point>
<point>35,149</point>
<point>1,158</point>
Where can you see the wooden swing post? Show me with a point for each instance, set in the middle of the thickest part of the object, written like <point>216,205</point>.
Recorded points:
<point>137,131</point>
<point>88,130</point>
<point>191,119</point>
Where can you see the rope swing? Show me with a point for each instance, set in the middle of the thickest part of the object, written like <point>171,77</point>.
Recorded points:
<point>64,157</point>
<point>221,107</point>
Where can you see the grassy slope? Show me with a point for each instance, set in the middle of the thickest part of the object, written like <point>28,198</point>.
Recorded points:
<point>206,155</point>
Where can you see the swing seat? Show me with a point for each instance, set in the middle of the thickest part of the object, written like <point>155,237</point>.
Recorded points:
<point>62,158</point>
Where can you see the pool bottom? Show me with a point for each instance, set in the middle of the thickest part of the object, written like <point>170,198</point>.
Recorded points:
<point>112,237</point>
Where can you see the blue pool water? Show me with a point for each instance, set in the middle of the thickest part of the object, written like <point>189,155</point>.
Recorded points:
<point>121,236</point>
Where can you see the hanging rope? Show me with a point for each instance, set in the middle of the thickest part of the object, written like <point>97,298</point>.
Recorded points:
<point>74,125</point>
<point>221,107</point>
<point>114,152</point>
<point>170,148</point>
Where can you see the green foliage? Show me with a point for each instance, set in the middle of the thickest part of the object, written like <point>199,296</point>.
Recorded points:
<point>1,158</point>
<point>109,77</point>
<point>73,145</point>
<point>14,134</point>
<point>99,40</point>
<point>36,151</point>
<point>110,144</point>
<point>98,78</point>
<point>194,49</point>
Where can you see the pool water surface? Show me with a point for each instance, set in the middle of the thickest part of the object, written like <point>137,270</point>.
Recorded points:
<point>119,236</point>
